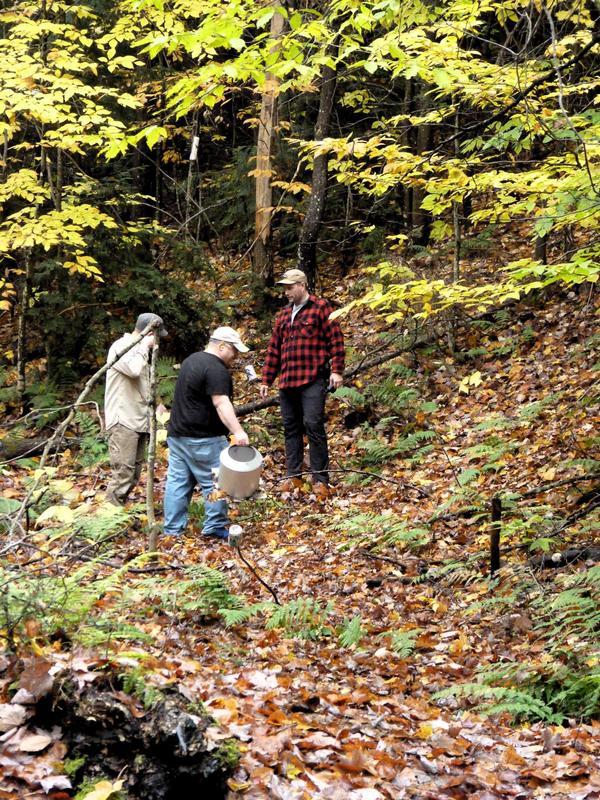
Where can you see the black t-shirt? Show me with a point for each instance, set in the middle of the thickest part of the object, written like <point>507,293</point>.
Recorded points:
<point>193,413</point>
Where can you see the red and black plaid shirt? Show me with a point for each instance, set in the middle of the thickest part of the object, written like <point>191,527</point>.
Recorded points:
<point>298,349</point>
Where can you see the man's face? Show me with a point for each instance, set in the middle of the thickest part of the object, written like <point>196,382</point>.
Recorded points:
<point>228,353</point>
<point>295,292</point>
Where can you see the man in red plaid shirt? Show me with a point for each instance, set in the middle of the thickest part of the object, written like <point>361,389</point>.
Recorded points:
<point>306,350</point>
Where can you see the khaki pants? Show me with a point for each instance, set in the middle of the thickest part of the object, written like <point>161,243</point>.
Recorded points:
<point>127,455</point>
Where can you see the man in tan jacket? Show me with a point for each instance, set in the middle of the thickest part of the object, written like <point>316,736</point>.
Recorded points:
<point>126,408</point>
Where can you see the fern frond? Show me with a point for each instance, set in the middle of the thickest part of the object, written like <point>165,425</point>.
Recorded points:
<point>403,643</point>
<point>235,616</point>
<point>303,618</point>
<point>352,632</point>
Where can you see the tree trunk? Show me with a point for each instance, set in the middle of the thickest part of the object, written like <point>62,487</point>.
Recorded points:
<point>307,246</point>
<point>261,257</point>
<point>420,218</point>
<point>541,249</point>
<point>152,526</point>
<point>192,161</point>
<point>407,191</point>
<point>22,335</point>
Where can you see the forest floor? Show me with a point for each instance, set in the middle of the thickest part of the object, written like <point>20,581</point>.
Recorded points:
<point>390,575</point>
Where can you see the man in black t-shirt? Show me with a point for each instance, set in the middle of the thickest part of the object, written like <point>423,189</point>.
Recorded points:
<point>201,416</point>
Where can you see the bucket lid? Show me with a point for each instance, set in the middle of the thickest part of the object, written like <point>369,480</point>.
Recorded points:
<point>242,453</point>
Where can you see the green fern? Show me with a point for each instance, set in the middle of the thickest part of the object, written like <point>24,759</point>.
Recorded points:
<point>102,527</point>
<point>93,448</point>
<point>496,422</point>
<point>395,397</point>
<point>304,618</point>
<point>564,682</point>
<point>498,699</point>
<point>351,632</point>
<point>404,643</point>
<point>533,410</point>
<point>378,531</point>
<point>236,616</point>
<point>379,451</point>
<point>167,378</point>
<point>202,591</point>
<point>352,395</point>
<point>491,452</point>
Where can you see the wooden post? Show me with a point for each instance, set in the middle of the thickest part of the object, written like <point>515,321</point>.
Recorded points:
<point>495,535</point>
<point>152,526</point>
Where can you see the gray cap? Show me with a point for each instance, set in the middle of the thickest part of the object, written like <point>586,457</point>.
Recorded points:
<point>147,319</point>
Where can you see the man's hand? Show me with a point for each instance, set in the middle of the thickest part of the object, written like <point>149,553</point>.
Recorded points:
<point>263,390</point>
<point>241,437</point>
<point>147,343</point>
<point>335,380</point>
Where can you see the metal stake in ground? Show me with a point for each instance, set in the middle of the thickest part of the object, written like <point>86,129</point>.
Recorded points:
<point>495,535</point>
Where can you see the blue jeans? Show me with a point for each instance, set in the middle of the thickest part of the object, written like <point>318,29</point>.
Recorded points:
<point>190,465</point>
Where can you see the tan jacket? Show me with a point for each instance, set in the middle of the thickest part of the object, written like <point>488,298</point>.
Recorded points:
<point>127,387</point>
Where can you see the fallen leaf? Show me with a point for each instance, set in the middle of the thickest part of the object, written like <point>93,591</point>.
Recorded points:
<point>57,513</point>
<point>104,789</point>
<point>11,716</point>
<point>34,742</point>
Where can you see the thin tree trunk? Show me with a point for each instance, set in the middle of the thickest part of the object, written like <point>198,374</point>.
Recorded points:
<point>421,218</point>
<point>190,176</point>
<point>59,179</point>
<point>307,246</point>
<point>158,176</point>
<point>456,207</point>
<point>22,334</point>
<point>5,156</point>
<point>152,525</point>
<point>261,256</point>
<point>405,142</point>
<point>541,249</point>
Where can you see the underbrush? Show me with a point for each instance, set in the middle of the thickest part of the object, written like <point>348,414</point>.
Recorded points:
<point>558,676</point>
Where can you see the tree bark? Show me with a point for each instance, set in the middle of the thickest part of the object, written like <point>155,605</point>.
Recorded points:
<point>419,217</point>
<point>307,246</point>
<point>261,257</point>
<point>22,334</point>
<point>152,526</point>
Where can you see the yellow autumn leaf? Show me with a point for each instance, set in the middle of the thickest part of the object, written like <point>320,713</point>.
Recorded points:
<point>548,474</point>
<point>474,379</point>
<point>235,786</point>
<point>103,790</point>
<point>437,606</point>
<point>458,645</point>
<point>56,513</point>
<point>425,730</point>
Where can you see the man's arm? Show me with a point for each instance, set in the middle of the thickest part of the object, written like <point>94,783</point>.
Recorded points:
<point>226,412</point>
<point>335,346</point>
<point>133,361</point>
<point>272,360</point>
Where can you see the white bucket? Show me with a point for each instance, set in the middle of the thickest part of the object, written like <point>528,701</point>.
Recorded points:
<point>240,470</point>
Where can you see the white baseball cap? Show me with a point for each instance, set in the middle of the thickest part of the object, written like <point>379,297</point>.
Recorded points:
<point>225,334</point>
